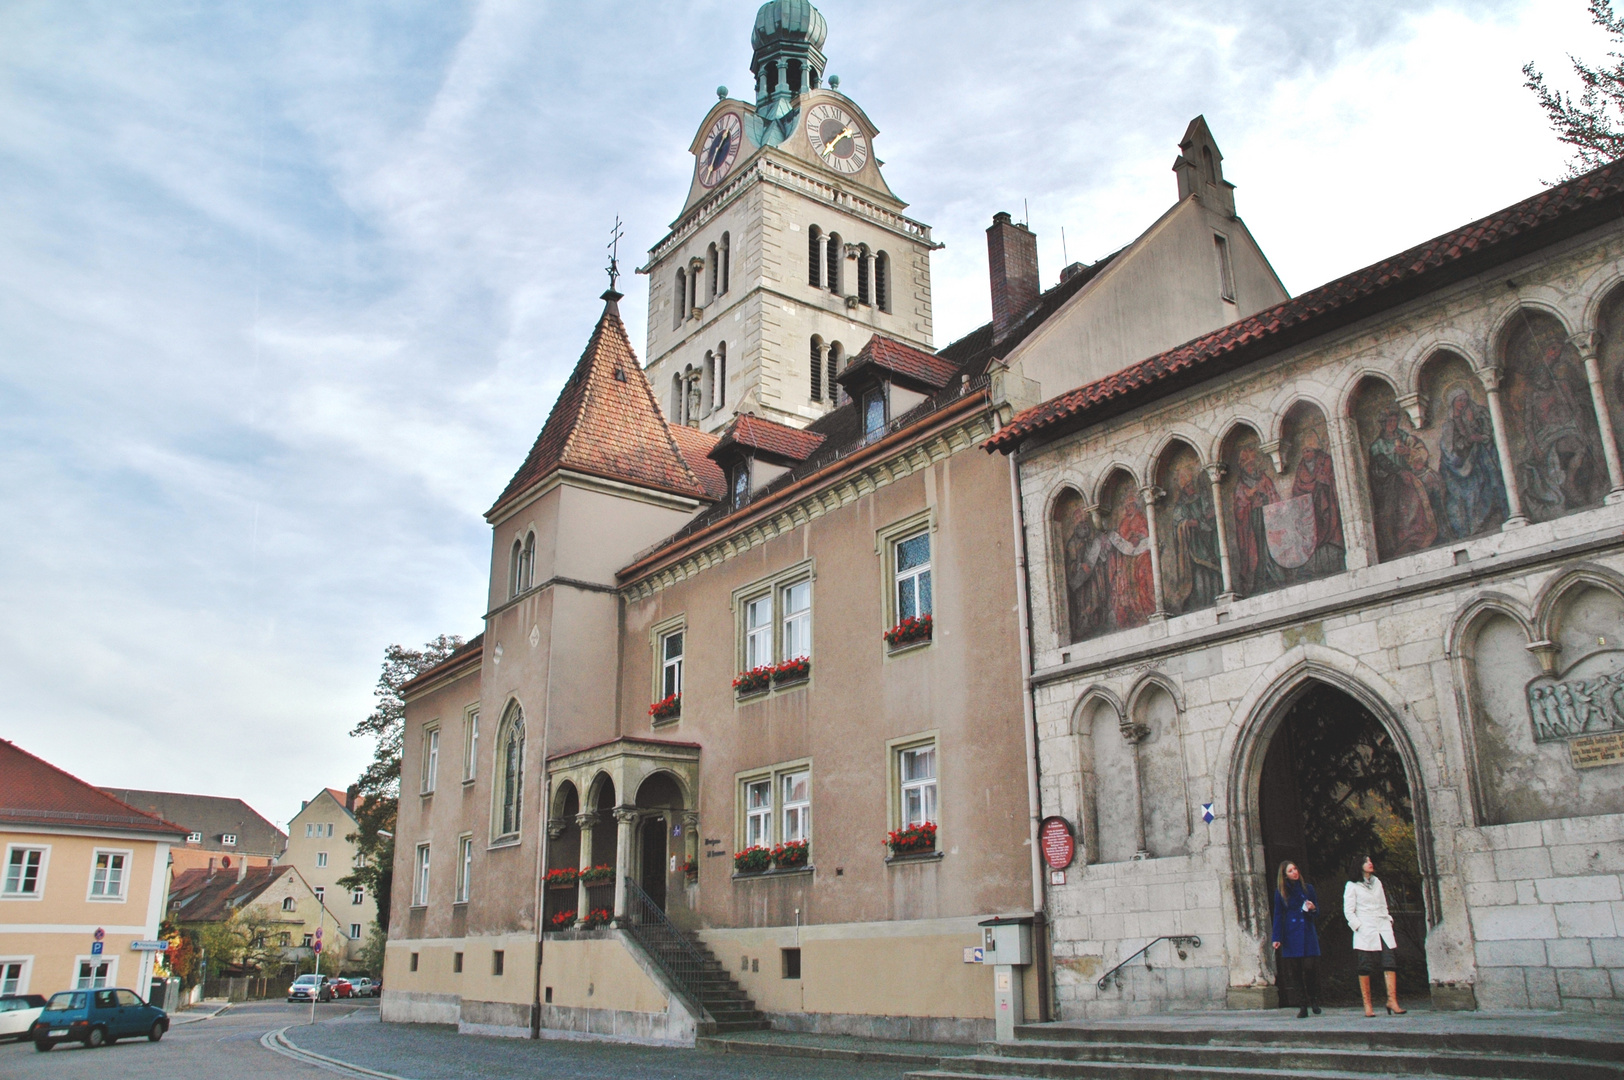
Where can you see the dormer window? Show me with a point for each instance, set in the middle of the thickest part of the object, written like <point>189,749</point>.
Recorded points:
<point>741,484</point>
<point>229,839</point>
<point>873,414</point>
<point>194,838</point>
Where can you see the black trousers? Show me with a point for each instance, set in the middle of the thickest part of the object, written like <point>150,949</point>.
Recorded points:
<point>1304,974</point>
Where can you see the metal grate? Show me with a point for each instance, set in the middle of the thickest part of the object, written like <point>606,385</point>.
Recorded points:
<point>678,957</point>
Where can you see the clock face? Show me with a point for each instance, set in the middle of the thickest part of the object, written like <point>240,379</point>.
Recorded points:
<point>837,138</point>
<point>720,149</point>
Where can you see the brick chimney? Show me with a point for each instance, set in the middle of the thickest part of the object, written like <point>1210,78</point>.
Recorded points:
<point>1012,264</point>
<point>349,797</point>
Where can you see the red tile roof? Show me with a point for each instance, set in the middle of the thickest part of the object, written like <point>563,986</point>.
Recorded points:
<point>606,423</point>
<point>205,895</point>
<point>696,447</point>
<point>35,792</point>
<point>1549,216</point>
<point>768,436</point>
<point>910,363</point>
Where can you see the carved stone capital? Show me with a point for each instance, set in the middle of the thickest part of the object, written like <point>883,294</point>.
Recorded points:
<point>690,819</point>
<point>627,815</point>
<point>1489,377</point>
<point>1273,450</point>
<point>1545,652</point>
<point>586,821</point>
<point>1215,472</point>
<point>556,827</point>
<point>1415,409</point>
<point>1151,494</point>
<point>1587,343</point>
<point>1135,733</point>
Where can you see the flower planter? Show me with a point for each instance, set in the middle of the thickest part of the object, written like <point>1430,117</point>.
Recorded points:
<point>913,840</point>
<point>598,917</point>
<point>752,860</point>
<point>792,856</point>
<point>564,920</point>
<point>755,681</point>
<point>792,671</point>
<point>666,708</point>
<point>598,875</point>
<point>909,631</point>
<point>563,878</point>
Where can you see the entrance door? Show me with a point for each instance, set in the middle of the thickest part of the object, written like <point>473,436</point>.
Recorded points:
<point>654,859</point>
<point>1334,787</point>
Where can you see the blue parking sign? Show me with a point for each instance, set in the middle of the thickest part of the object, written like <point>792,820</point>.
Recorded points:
<point>95,948</point>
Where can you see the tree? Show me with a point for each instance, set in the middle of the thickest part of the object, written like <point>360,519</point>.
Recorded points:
<point>378,788</point>
<point>1594,124</point>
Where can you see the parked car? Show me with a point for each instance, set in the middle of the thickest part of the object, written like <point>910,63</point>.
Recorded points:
<point>306,987</point>
<point>18,1013</point>
<point>342,987</point>
<point>364,987</point>
<point>97,1018</point>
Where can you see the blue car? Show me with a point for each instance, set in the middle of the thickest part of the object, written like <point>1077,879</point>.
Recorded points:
<point>97,1018</point>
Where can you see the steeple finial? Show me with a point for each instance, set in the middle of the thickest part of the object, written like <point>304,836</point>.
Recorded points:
<point>613,270</point>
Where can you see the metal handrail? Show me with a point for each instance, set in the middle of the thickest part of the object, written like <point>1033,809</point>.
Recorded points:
<point>667,946</point>
<point>1180,941</point>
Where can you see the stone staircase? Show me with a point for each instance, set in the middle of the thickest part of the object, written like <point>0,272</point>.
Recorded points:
<point>728,1005</point>
<point>691,967</point>
<point>1149,1052</point>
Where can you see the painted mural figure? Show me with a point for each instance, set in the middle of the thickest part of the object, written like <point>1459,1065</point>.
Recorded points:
<point>1085,591</point>
<point>1255,568</point>
<point>1316,478</point>
<point>1557,473</point>
<point>1191,575</point>
<point>1405,500</point>
<point>1474,490</point>
<point>1133,592</point>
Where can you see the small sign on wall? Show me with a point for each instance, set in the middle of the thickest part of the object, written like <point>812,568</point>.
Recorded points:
<point>1055,839</point>
<point>974,956</point>
<point>1591,751</point>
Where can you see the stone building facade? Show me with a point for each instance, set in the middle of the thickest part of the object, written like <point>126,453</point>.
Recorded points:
<point>1395,500</point>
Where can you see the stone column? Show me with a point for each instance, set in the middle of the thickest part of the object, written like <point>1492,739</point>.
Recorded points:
<point>1490,377</point>
<point>690,838</point>
<point>829,386</point>
<point>625,817</point>
<point>1134,734</point>
<point>584,822</point>
<point>1215,476</point>
<point>1149,495</point>
<point>1588,345</point>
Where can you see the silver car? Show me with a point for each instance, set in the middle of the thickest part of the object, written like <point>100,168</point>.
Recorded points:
<point>17,1013</point>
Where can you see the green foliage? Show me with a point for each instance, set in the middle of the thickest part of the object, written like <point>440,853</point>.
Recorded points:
<point>1594,123</point>
<point>379,784</point>
<point>371,958</point>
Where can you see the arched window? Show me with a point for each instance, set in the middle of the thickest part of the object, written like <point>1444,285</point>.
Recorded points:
<point>814,257</point>
<point>817,368</point>
<point>727,251</point>
<point>720,383</point>
<point>836,255</point>
<point>289,903</point>
<point>510,773</point>
<point>675,416</point>
<point>707,384</point>
<point>527,563</point>
<point>831,368</point>
<point>882,281</point>
<point>515,568</point>
<point>679,306</point>
<point>715,272</point>
<point>1209,170</point>
<point>694,273</point>
<point>864,265</point>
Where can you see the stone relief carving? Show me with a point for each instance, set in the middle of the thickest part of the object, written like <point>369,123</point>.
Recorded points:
<point>1588,699</point>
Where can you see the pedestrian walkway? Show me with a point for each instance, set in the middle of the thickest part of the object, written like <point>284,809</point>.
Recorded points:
<point>833,1047</point>
<point>203,1010</point>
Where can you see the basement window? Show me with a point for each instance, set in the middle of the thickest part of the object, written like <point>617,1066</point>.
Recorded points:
<point>414,961</point>
<point>497,957</point>
<point>791,962</point>
<point>456,963</point>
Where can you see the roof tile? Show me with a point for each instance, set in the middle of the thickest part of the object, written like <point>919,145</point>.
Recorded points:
<point>768,436</point>
<point>34,791</point>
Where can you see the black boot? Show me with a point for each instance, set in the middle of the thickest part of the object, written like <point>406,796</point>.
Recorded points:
<point>1302,1012</point>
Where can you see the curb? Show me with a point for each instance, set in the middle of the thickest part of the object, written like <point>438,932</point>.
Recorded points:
<point>767,1049</point>
<point>176,1020</point>
<point>278,1042</point>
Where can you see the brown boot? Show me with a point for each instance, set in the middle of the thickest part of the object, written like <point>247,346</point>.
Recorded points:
<point>1364,991</point>
<point>1392,995</point>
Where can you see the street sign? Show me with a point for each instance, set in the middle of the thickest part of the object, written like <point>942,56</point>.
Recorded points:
<point>1055,839</point>
<point>99,934</point>
<point>1206,812</point>
<point>150,946</point>
<point>95,948</point>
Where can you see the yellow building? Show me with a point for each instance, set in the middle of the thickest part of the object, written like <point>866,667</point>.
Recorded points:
<point>320,848</point>
<point>85,876</point>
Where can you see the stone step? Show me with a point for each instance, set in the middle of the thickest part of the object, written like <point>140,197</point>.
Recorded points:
<point>1382,1035</point>
<point>1059,1060</point>
<point>987,1067</point>
<point>723,1027</point>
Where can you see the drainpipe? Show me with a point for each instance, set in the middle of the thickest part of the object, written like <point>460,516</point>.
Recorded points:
<point>542,840</point>
<point>1040,923</point>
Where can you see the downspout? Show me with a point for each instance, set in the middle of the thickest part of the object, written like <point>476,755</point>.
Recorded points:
<point>542,840</point>
<point>1040,923</point>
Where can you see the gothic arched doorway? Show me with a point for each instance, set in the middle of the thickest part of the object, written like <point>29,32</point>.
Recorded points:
<point>658,798</point>
<point>1334,786</point>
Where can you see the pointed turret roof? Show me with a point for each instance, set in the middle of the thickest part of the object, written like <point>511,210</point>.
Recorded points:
<point>606,423</point>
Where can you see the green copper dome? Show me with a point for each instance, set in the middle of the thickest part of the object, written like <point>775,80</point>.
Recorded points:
<point>788,20</point>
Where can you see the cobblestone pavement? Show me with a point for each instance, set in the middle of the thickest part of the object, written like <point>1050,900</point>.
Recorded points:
<point>434,1052</point>
<point>223,1047</point>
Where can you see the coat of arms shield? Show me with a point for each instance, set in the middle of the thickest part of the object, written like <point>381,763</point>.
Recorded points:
<point>1289,526</point>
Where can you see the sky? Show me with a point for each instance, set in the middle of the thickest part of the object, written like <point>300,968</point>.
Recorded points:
<point>287,290</point>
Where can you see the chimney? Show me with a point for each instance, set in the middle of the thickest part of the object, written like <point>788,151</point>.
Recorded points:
<point>211,866</point>
<point>1012,263</point>
<point>242,869</point>
<point>355,789</point>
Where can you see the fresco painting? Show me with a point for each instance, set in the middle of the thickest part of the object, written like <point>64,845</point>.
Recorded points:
<point>1555,444</point>
<point>1187,528</point>
<point>1610,323</point>
<point>1250,485</point>
<point>1305,443</point>
<point>1286,528</point>
<point>1109,581</point>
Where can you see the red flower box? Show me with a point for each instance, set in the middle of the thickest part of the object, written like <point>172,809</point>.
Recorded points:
<point>753,681</point>
<point>752,860</point>
<point>598,875</point>
<point>913,840</point>
<point>563,878</point>
<point>564,920</point>
<point>909,630</point>
<point>666,708</point>
<point>792,855</point>
<point>597,917</point>
<point>792,671</point>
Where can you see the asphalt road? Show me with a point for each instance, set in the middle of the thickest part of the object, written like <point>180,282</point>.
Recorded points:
<point>224,1047</point>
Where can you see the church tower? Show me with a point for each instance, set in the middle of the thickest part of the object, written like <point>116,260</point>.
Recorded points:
<point>790,250</point>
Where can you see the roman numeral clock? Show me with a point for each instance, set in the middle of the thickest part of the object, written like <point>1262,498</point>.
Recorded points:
<point>836,138</point>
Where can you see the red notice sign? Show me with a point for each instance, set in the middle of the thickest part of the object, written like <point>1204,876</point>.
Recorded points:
<point>1059,848</point>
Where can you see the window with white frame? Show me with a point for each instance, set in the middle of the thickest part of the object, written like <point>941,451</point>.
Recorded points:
<point>321,894</point>
<point>355,931</point>
<point>25,872</point>
<point>358,895</point>
<point>321,859</point>
<point>228,839</point>
<point>797,630</point>
<point>509,773</point>
<point>470,744</point>
<point>758,631</point>
<point>796,791</point>
<point>107,875</point>
<point>329,832</point>
<point>11,977</point>
<point>671,653</point>
<point>758,813</point>
<point>916,766</point>
<point>289,903</point>
<point>94,973</point>
<point>465,867</point>
<point>431,758</point>
<point>194,838</point>
<point>359,861</point>
<point>912,562</point>
<point>420,879</point>
<point>310,830</point>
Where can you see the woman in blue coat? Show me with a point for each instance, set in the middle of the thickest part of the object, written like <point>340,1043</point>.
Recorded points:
<point>1296,942</point>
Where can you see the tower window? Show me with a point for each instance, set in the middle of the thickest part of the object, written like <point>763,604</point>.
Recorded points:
<point>693,284</point>
<point>720,383</point>
<point>715,272</point>
<point>832,264</point>
<point>873,415</point>
<point>514,562</point>
<point>679,310</point>
<point>882,282</point>
<point>831,368</point>
<point>741,484</point>
<point>727,245</point>
<point>817,369</point>
<point>1226,270</point>
<point>864,265</point>
<point>814,257</point>
<point>676,399</point>
<point>795,76</point>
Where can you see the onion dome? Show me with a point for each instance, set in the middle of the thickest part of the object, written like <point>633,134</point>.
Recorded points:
<point>787,59</point>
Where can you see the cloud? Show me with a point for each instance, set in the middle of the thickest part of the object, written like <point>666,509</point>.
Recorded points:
<point>289,289</point>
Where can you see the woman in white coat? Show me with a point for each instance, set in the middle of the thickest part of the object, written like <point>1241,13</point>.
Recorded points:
<point>1364,905</point>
